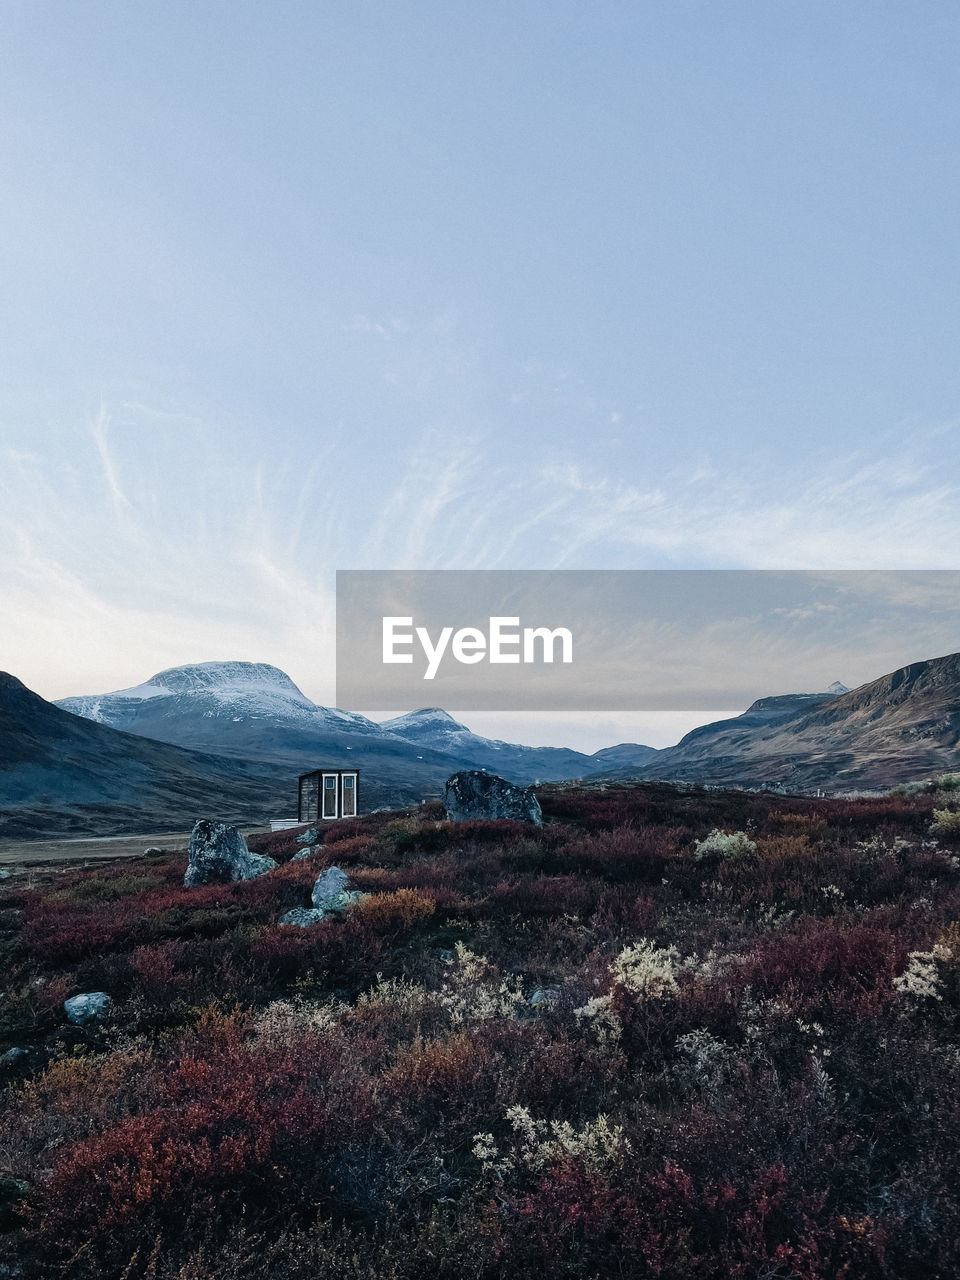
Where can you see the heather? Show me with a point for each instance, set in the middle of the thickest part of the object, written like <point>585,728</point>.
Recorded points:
<point>675,1033</point>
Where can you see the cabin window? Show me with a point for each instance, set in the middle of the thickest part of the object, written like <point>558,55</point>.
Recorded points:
<point>349,796</point>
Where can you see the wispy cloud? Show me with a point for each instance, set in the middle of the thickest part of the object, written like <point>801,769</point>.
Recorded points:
<point>100,430</point>
<point>171,540</point>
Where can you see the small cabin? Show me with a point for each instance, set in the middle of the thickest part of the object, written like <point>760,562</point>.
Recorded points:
<point>326,794</point>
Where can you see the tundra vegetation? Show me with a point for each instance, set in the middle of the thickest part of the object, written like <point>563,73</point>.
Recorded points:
<point>742,1059</point>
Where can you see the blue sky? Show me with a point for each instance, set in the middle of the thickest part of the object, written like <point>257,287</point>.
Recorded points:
<point>306,286</point>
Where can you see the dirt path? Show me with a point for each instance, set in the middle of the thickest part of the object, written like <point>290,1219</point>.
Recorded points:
<point>90,849</point>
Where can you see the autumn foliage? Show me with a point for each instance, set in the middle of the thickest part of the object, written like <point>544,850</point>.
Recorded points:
<point>675,1034</point>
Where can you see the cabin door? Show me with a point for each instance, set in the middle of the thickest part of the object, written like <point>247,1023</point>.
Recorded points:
<point>330,806</point>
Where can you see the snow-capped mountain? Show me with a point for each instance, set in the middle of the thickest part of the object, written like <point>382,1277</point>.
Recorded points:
<point>255,712</point>
<point>237,691</point>
<point>433,728</point>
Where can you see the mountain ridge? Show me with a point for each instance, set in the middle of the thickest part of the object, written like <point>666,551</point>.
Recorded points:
<point>255,711</point>
<point>900,727</point>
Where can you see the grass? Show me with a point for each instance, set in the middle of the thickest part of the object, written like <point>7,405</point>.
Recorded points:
<point>742,1066</point>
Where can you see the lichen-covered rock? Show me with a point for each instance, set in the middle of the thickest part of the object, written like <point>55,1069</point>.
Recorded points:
<point>331,895</point>
<point>472,793</point>
<point>332,891</point>
<point>89,1007</point>
<point>303,916</point>
<point>14,1057</point>
<point>309,837</point>
<point>219,854</point>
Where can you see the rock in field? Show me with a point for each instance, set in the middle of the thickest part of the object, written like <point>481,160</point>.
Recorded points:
<point>475,794</point>
<point>332,892</point>
<point>331,895</point>
<point>219,854</point>
<point>90,1007</point>
<point>303,916</point>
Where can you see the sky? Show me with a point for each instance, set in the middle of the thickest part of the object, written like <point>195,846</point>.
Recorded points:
<point>300,287</point>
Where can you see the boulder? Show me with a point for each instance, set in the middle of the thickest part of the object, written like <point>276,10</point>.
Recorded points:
<point>309,837</point>
<point>331,895</point>
<point>90,1007</point>
<point>14,1057</point>
<point>331,892</point>
<point>303,916</point>
<point>219,854</point>
<point>472,793</point>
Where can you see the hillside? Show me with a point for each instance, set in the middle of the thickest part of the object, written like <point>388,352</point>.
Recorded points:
<point>60,774</point>
<point>901,727</point>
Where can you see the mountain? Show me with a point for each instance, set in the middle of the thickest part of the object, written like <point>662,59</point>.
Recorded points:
<point>626,755</point>
<point>244,708</point>
<point>899,728</point>
<point>255,712</point>
<point>436,729</point>
<point>61,775</point>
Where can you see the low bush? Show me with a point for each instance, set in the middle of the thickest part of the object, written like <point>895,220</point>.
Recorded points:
<point>676,1033</point>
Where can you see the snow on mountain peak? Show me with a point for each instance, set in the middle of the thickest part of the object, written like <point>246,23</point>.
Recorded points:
<point>434,718</point>
<point>226,678</point>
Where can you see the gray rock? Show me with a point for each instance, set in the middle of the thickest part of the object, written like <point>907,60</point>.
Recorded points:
<point>14,1057</point>
<point>89,1007</point>
<point>303,916</point>
<point>330,889</point>
<point>310,837</point>
<point>4,874</point>
<point>475,794</point>
<point>219,854</point>
<point>544,997</point>
<point>153,849</point>
<point>331,895</point>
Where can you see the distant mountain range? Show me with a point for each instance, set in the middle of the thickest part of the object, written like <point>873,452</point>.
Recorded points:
<point>902,727</point>
<point>227,739</point>
<point>256,712</point>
